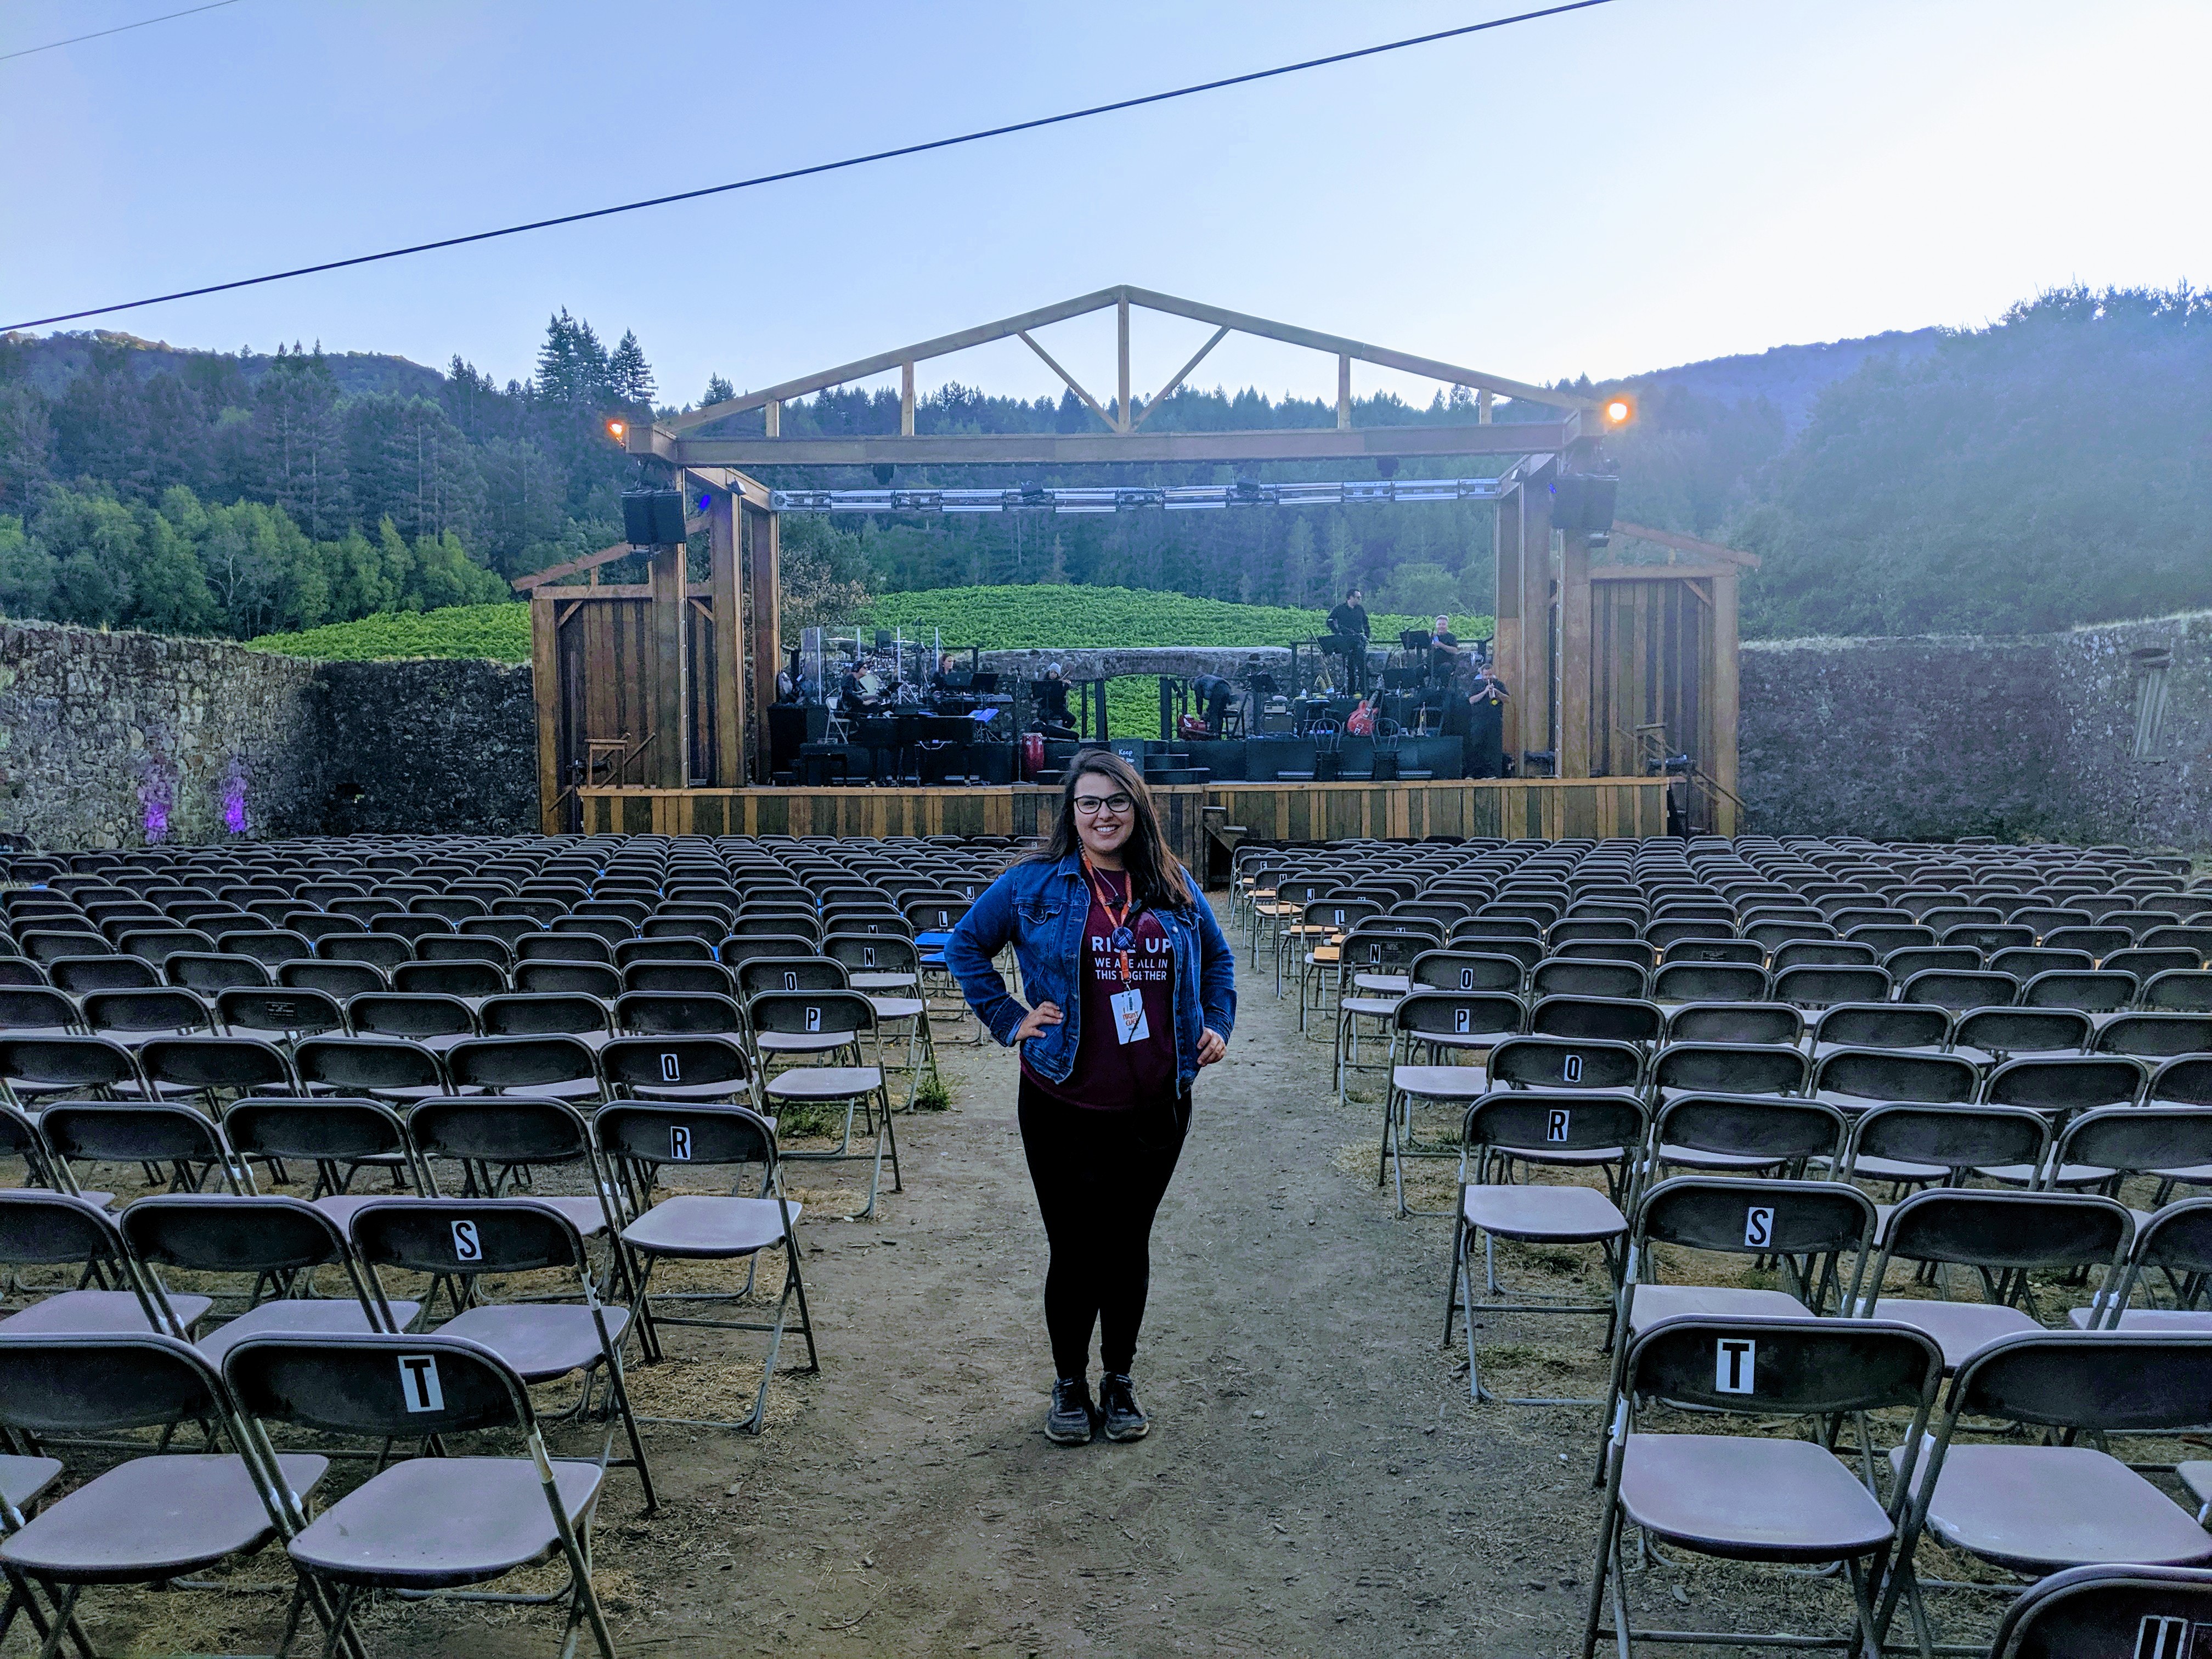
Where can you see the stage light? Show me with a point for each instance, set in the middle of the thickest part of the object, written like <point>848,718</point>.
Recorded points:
<point>617,429</point>
<point>1618,411</point>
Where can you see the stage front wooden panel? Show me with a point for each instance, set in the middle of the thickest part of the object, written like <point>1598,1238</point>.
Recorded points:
<point>1546,808</point>
<point>1549,809</point>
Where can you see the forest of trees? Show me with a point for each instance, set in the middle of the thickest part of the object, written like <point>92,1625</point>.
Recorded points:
<point>2053,468</point>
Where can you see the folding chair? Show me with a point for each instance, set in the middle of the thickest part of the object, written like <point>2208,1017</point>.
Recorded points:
<point>460,1241</point>
<point>149,1133</point>
<point>501,1141</point>
<point>1764,1023</point>
<point>278,1241</point>
<point>339,1137</point>
<point>2003,1236</point>
<point>557,1064</point>
<point>2149,1613</point>
<point>2038,1509</point>
<point>390,1069</point>
<point>1431,1025</point>
<point>1915,1145</point>
<point>1374,970</point>
<point>426,1523</point>
<point>784,1022</point>
<point>1808,1226</point>
<point>1747,1135</point>
<point>211,1066</point>
<point>151,1520</point>
<point>637,1138</point>
<point>78,974</point>
<point>1899,1028</point>
<point>1506,1128</point>
<point>46,1229</point>
<point>1752,1495</point>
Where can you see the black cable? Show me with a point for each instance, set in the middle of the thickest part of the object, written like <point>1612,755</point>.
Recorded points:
<point>120,28</point>
<point>819,166</point>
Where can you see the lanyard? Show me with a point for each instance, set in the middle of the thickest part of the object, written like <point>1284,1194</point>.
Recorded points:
<point>1121,938</point>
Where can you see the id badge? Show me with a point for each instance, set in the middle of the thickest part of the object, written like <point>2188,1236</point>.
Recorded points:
<point>1129,1015</point>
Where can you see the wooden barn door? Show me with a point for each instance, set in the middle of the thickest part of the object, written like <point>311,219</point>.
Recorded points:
<point>1652,652</point>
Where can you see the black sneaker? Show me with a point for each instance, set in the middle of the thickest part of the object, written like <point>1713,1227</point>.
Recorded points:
<point>1073,1418</point>
<point>1124,1418</point>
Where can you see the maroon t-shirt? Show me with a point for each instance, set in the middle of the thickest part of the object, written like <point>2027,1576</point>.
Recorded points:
<point>1110,1075</point>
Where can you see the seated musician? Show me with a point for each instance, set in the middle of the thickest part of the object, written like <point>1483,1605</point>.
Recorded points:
<point>1214,695</point>
<point>948,677</point>
<point>853,697</point>
<point>1049,696</point>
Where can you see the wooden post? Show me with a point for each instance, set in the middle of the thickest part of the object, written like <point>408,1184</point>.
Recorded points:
<point>906,400</point>
<point>545,690</point>
<point>1344,391</point>
<point>771,415</point>
<point>722,511</point>
<point>1121,354</point>
<point>1725,699</point>
<point>1507,646</point>
<point>670,745</point>
<point>1482,406</point>
<point>1535,693</point>
<point>1574,667</point>
<point>768,631</point>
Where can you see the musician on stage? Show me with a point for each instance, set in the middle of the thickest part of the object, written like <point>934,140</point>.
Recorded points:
<point>1213,694</point>
<point>853,695</point>
<point>1049,698</point>
<point>948,678</point>
<point>1349,622</point>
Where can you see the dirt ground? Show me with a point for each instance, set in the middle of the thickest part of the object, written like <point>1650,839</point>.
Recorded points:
<point>1317,1481</point>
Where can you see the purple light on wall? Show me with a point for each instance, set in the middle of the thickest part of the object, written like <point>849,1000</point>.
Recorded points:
<point>154,798</point>
<point>234,800</point>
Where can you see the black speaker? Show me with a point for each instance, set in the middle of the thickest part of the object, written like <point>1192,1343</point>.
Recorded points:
<point>1582,502</point>
<point>995,760</point>
<point>789,725</point>
<point>653,517</point>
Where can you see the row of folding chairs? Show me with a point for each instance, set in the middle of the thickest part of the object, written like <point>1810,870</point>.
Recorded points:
<point>705,1048</point>
<point>1811,1351</point>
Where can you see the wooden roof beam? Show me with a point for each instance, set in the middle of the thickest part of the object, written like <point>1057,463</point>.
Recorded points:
<point>1544,438</point>
<point>1073,384</point>
<point>1675,538</point>
<point>1119,296</point>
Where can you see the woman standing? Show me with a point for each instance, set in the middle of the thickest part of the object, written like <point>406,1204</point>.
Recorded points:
<point>1134,990</point>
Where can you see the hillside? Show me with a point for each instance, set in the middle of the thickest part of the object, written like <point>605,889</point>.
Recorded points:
<point>1790,377</point>
<point>49,362</point>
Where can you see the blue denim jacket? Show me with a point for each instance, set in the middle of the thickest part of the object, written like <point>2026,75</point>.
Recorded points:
<point>1041,909</point>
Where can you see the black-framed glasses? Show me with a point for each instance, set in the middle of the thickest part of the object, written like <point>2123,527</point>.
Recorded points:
<point>1114,804</point>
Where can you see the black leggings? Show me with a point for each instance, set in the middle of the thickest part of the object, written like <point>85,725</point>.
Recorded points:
<point>1099,1178</point>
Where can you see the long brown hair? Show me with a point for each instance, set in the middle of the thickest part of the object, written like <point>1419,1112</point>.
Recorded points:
<point>1156,876</point>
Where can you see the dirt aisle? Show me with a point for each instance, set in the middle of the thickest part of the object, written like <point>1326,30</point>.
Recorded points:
<point>1315,1483</point>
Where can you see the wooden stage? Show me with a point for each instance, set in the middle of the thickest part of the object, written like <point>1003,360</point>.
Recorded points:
<point>1548,808</point>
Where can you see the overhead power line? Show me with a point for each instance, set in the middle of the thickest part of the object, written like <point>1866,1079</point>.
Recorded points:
<point>120,28</point>
<point>817,167</point>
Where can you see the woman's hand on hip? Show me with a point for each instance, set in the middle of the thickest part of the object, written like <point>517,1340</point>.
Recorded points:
<point>1035,1021</point>
<point>1212,1045</point>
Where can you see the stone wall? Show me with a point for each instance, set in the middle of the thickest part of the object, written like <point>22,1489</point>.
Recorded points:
<point>428,746</point>
<point>1937,736</point>
<point>111,739</point>
<point>107,739</point>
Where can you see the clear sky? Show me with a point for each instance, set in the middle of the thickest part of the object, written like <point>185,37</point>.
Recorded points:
<point>1646,183</point>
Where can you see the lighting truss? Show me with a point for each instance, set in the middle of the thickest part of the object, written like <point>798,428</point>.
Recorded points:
<point>1122,498</point>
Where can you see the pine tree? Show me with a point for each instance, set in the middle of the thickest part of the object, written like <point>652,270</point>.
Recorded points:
<point>629,377</point>
<point>300,442</point>
<point>719,390</point>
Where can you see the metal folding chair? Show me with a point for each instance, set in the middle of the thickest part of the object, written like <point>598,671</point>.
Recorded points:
<point>1755,1497</point>
<point>1512,1127</point>
<point>637,1138</point>
<point>427,1524</point>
